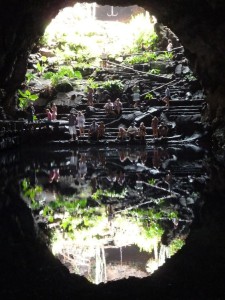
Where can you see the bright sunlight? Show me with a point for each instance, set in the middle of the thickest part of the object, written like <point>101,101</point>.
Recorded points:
<point>79,26</point>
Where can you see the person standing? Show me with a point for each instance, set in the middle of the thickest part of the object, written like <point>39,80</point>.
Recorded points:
<point>30,113</point>
<point>81,122</point>
<point>169,46</point>
<point>154,125</point>
<point>49,115</point>
<point>117,106</point>
<point>136,95</point>
<point>142,131</point>
<point>132,131</point>
<point>104,57</point>
<point>166,98</point>
<point>72,126</point>
<point>54,111</point>
<point>108,107</point>
<point>101,130</point>
<point>93,130</point>
<point>90,96</point>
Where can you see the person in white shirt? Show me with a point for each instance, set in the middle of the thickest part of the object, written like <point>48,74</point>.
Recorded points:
<point>108,107</point>
<point>169,47</point>
<point>132,131</point>
<point>81,122</point>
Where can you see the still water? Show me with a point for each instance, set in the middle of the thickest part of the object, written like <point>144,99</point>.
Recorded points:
<point>112,213</point>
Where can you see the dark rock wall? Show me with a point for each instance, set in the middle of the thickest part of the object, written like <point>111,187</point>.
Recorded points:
<point>199,25</point>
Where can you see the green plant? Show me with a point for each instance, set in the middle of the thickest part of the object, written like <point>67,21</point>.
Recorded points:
<point>29,77</point>
<point>152,181</point>
<point>176,245</point>
<point>149,96</point>
<point>92,84</point>
<point>25,98</point>
<point>165,56</point>
<point>113,86</point>
<point>41,66</point>
<point>154,71</point>
<point>63,72</point>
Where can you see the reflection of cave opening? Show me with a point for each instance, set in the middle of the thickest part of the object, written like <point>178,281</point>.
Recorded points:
<point>107,229</point>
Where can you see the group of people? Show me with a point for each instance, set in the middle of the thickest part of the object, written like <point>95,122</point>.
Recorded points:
<point>74,122</point>
<point>158,129</point>
<point>52,112</point>
<point>132,132</point>
<point>113,107</point>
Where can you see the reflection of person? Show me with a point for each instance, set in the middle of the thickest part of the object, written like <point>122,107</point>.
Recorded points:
<point>168,179</point>
<point>156,162</point>
<point>122,133</point>
<point>73,164</point>
<point>133,156</point>
<point>121,178</point>
<point>82,167</point>
<point>72,126</point>
<point>143,157</point>
<point>123,154</point>
<point>54,175</point>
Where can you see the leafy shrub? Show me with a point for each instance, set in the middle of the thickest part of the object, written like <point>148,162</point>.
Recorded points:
<point>25,98</point>
<point>113,86</point>
<point>63,72</point>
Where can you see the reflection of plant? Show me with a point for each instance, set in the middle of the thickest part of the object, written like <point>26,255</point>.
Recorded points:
<point>25,97</point>
<point>31,192</point>
<point>176,245</point>
<point>99,194</point>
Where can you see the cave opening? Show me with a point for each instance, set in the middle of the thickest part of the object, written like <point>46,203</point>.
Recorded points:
<point>206,240</point>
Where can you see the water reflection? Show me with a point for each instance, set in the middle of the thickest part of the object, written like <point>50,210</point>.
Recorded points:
<point>114,213</point>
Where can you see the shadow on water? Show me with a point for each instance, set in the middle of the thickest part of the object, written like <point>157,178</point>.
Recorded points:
<point>111,213</point>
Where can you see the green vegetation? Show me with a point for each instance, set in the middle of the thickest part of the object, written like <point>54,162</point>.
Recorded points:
<point>113,86</point>
<point>64,72</point>
<point>176,245</point>
<point>99,194</point>
<point>149,96</point>
<point>25,98</point>
<point>42,65</point>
